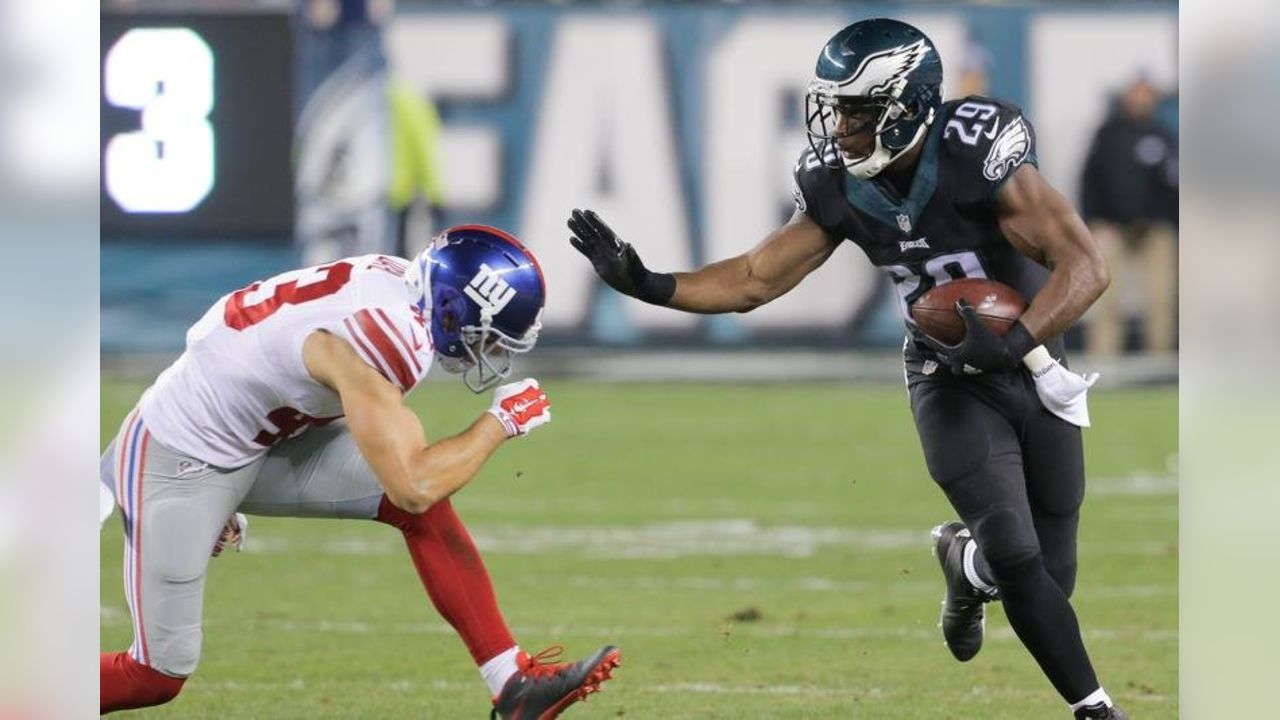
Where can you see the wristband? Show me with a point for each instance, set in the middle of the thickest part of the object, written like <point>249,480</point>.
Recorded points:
<point>1019,340</point>
<point>509,425</point>
<point>1038,360</point>
<point>657,288</point>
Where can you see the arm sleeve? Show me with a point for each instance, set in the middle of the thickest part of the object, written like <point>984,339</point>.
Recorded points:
<point>984,140</point>
<point>1014,145</point>
<point>383,345</point>
<point>816,190</point>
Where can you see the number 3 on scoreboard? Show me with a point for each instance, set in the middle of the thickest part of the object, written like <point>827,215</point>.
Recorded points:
<point>168,165</point>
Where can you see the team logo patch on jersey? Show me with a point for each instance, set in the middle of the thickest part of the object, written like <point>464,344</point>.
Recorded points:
<point>921,244</point>
<point>489,290</point>
<point>1010,148</point>
<point>885,73</point>
<point>799,196</point>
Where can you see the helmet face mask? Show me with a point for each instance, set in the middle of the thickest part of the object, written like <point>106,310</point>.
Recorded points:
<point>488,353</point>
<point>876,90</point>
<point>833,120</point>
<point>483,293</point>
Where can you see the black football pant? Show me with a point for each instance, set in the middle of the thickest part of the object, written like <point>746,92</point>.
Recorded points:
<point>1015,474</point>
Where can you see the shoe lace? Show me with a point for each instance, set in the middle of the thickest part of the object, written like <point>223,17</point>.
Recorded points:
<point>544,663</point>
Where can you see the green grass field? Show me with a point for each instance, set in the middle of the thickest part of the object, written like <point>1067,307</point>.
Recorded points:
<point>757,552</point>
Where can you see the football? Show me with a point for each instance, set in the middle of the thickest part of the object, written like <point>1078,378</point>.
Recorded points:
<point>998,306</point>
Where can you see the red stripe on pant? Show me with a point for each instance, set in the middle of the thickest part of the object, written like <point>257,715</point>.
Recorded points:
<point>453,574</point>
<point>144,654</point>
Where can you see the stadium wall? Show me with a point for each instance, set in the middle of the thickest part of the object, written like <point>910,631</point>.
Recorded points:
<point>677,122</point>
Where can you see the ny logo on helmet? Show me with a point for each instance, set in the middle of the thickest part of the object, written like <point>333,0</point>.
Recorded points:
<point>489,290</point>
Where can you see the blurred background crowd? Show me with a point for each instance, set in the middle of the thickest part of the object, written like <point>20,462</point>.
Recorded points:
<point>290,133</point>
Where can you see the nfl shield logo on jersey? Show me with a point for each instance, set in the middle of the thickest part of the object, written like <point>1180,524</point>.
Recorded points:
<point>904,222</point>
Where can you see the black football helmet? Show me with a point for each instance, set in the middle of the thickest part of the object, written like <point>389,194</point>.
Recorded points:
<point>880,76</point>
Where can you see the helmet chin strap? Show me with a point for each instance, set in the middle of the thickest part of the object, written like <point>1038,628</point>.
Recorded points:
<point>487,359</point>
<point>882,157</point>
<point>478,374</point>
<point>871,165</point>
<point>452,365</point>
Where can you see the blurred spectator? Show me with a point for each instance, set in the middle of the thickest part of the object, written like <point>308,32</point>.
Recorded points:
<point>1130,200</point>
<point>343,136</point>
<point>367,146</point>
<point>416,193</point>
<point>975,69</point>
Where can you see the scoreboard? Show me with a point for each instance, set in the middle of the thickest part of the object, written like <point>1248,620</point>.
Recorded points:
<point>197,124</point>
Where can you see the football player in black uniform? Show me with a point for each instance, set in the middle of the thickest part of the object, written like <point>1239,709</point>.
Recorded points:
<point>931,192</point>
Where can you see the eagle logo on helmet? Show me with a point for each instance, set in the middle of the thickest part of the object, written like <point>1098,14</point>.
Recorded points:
<point>885,72</point>
<point>1010,148</point>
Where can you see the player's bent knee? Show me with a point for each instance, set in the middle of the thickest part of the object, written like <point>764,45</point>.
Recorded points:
<point>1064,575</point>
<point>406,522</point>
<point>1012,577</point>
<point>1007,538</point>
<point>177,656</point>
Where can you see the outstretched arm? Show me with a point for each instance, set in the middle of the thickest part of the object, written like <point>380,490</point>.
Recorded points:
<point>415,474</point>
<point>737,284</point>
<point>1042,225</point>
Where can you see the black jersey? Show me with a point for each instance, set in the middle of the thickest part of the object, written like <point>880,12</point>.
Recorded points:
<point>945,228</point>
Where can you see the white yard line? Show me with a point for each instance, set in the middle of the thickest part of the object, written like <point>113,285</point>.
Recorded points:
<point>721,631</point>
<point>853,588</point>
<point>714,688</point>
<point>694,687</point>
<point>722,537</point>
<point>1137,484</point>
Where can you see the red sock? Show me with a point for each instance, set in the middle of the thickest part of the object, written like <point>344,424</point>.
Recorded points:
<point>454,575</point>
<point>127,684</point>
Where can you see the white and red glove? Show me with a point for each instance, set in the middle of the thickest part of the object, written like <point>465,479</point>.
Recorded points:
<point>233,534</point>
<point>520,407</point>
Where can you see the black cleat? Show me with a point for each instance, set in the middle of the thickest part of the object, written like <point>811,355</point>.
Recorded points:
<point>1101,712</point>
<point>541,689</point>
<point>962,616</point>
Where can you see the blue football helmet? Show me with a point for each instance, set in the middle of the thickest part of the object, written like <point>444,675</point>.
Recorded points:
<point>483,292</point>
<point>880,76</point>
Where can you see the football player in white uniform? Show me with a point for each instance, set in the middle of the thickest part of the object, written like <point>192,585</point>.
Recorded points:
<point>288,401</point>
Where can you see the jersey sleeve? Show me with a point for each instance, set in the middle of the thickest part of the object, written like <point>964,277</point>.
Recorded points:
<point>990,138</point>
<point>817,191</point>
<point>390,345</point>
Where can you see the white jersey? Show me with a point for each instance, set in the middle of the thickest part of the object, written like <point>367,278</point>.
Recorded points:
<point>241,386</point>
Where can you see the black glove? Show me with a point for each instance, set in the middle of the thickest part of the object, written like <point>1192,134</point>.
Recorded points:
<point>616,262</point>
<point>982,349</point>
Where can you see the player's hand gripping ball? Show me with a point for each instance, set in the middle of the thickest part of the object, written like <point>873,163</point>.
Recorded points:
<point>520,407</point>
<point>997,306</point>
